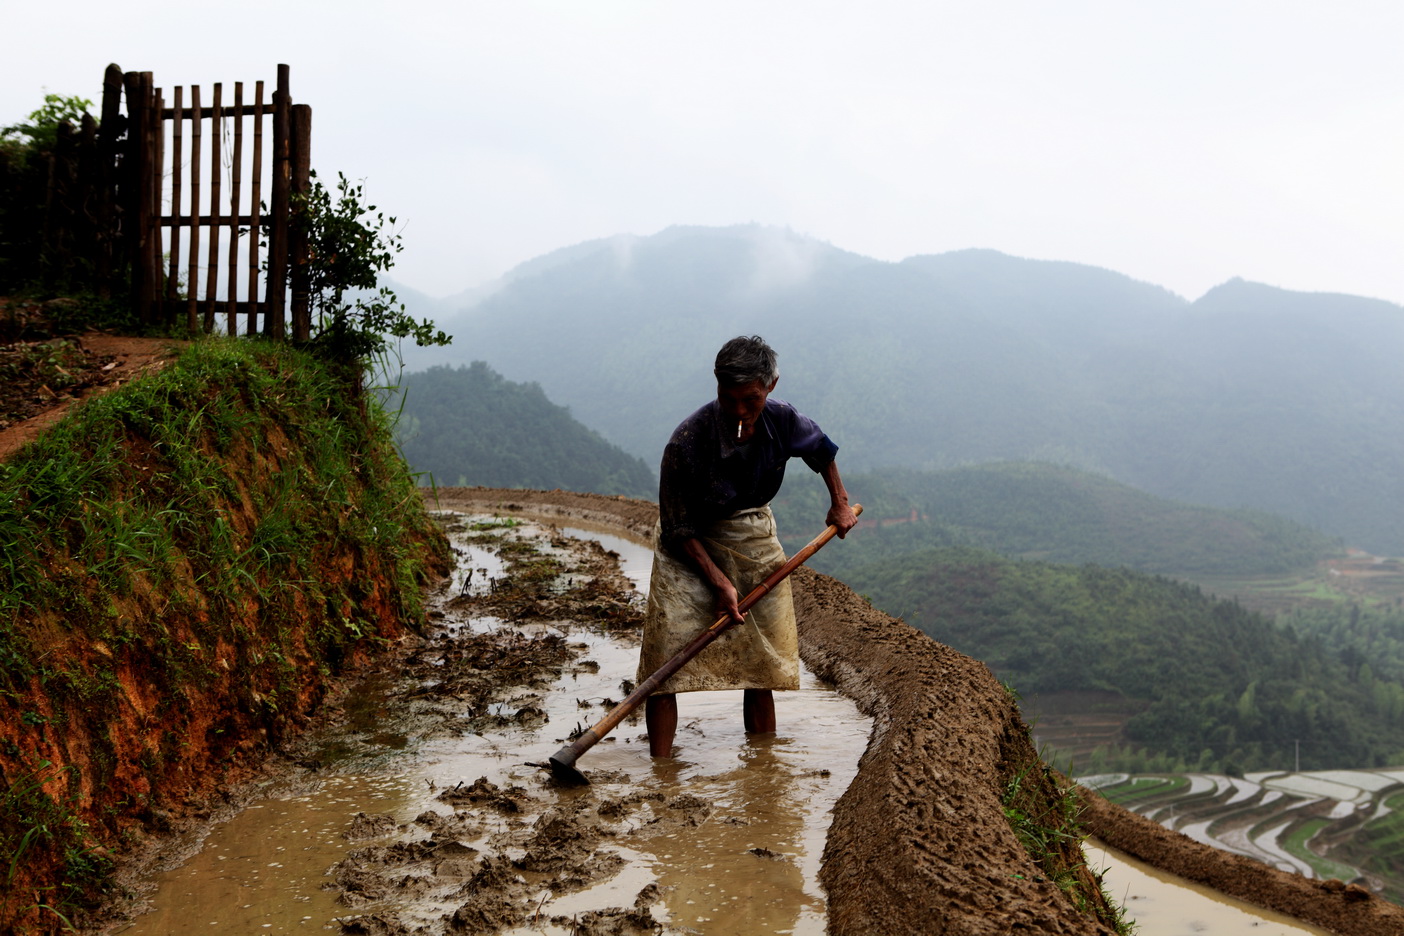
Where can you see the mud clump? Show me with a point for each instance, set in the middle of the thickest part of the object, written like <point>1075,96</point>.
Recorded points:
<point>485,793</point>
<point>462,680</point>
<point>613,922</point>
<point>485,914</point>
<point>563,836</point>
<point>368,827</point>
<point>374,925</point>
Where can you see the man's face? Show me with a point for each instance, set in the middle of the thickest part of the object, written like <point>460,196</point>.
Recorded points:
<point>744,403</point>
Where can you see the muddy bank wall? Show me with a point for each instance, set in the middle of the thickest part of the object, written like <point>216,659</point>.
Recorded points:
<point>189,560</point>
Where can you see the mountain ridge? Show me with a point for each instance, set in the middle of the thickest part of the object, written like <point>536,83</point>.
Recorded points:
<point>1249,396</point>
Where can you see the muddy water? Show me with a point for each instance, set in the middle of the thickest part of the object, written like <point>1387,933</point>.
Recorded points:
<point>1165,905</point>
<point>750,866</point>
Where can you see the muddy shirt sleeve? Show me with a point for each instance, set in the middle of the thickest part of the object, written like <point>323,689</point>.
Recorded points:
<point>690,487</point>
<point>676,479</point>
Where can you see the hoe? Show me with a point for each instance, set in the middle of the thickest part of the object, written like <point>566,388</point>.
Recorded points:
<point>563,761</point>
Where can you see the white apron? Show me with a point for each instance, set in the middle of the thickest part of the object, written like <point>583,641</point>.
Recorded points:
<point>762,652</point>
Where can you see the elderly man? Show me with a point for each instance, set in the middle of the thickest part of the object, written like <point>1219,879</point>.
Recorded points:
<point>716,541</point>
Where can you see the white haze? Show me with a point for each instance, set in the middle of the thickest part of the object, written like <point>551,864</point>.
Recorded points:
<point>1182,144</point>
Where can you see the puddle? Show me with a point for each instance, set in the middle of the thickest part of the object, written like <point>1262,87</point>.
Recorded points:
<point>264,871</point>
<point>635,559</point>
<point>1165,905</point>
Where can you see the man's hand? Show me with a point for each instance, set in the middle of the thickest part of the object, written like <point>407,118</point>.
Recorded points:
<point>728,602</point>
<point>843,517</point>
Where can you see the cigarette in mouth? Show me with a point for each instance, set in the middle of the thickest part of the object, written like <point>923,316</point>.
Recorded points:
<point>738,428</point>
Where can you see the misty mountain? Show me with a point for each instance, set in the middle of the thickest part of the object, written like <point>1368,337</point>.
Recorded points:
<point>1249,397</point>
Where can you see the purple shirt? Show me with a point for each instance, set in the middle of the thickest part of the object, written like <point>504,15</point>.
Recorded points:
<point>706,476</point>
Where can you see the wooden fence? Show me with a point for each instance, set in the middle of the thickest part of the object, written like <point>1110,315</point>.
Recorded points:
<point>141,197</point>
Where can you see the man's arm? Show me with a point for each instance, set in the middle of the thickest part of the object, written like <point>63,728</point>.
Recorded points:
<point>840,514</point>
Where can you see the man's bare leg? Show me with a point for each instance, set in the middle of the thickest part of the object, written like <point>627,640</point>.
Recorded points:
<point>661,717</point>
<point>758,710</point>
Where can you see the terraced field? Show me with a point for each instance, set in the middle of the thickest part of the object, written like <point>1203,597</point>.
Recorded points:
<point>1344,824</point>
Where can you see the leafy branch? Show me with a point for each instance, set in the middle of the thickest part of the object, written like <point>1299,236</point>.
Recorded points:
<point>349,246</point>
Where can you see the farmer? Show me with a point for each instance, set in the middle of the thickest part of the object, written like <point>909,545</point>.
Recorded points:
<point>716,542</point>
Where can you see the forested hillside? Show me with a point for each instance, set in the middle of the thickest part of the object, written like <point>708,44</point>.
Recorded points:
<point>1043,511</point>
<point>1248,397</point>
<point>471,426</point>
<point>1218,687</point>
<point>1369,639</point>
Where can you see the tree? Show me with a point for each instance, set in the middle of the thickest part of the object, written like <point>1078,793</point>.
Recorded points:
<point>349,246</point>
<point>42,127</point>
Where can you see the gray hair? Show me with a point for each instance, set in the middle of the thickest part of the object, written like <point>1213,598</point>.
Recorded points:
<point>745,360</point>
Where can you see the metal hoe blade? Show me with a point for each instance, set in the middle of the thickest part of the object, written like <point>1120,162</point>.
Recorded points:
<point>564,770</point>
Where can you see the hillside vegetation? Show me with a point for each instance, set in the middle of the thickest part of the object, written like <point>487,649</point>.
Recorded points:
<point>1218,687</point>
<point>1052,512</point>
<point>187,559</point>
<point>471,426</point>
<point>1249,397</point>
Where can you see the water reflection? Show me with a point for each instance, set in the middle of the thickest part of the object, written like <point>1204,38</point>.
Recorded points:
<point>749,849</point>
<point>1162,904</point>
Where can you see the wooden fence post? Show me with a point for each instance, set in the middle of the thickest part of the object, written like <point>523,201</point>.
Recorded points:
<point>145,197</point>
<point>177,191</point>
<point>256,201</point>
<point>235,183</point>
<point>133,172</point>
<point>108,231</point>
<point>216,154</point>
<point>297,246</point>
<point>192,267</point>
<point>274,325</point>
<point>156,156</point>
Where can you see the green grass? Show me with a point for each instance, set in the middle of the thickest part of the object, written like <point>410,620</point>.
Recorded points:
<point>1295,843</point>
<point>77,492</point>
<point>35,825</point>
<point>1137,789</point>
<point>1048,828</point>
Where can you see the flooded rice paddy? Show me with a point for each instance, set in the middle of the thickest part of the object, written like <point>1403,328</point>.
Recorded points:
<point>723,839</point>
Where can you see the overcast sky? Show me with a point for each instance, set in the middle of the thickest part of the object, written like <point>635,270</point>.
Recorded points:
<point>1180,143</point>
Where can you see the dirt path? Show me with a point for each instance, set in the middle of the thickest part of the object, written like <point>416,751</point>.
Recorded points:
<point>43,378</point>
